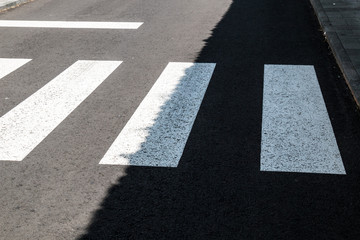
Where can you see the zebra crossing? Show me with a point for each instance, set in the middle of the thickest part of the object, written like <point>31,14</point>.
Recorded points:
<point>175,98</point>
<point>26,125</point>
<point>296,134</point>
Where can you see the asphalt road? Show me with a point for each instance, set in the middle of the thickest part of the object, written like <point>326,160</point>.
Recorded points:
<point>217,191</point>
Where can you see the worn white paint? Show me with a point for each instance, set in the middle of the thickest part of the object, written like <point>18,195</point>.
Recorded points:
<point>297,135</point>
<point>8,65</point>
<point>25,126</point>
<point>157,132</point>
<point>70,24</point>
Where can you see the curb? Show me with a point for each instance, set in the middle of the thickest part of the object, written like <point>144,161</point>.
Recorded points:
<point>351,76</point>
<point>12,4</point>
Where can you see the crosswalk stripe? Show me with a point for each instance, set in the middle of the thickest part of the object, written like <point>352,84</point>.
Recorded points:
<point>70,24</point>
<point>26,125</point>
<point>157,132</point>
<point>8,65</point>
<point>297,135</point>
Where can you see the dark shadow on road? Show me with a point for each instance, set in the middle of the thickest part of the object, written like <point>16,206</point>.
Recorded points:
<point>217,191</point>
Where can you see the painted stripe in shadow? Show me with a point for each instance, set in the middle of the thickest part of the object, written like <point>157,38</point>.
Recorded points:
<point>297,135</point>
<point>157,132</point>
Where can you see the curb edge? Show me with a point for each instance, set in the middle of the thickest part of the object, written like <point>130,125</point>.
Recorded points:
<point>347,68</point>
<point>13,4</point>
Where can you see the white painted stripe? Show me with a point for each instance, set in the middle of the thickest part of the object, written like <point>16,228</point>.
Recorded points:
<point>297,135</point>
<point>25,126</point>
<point>157,132</point>
<point>8,65</point>
<point>69,24</point>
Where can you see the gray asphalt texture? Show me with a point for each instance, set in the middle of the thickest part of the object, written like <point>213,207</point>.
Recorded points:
<point>217,192</point>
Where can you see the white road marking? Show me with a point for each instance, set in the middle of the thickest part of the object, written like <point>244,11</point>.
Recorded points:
<point>157,132</point>
<point>297,135</point>
<point>26,125</point>
<point>8,65</point>
<point>69,24</point>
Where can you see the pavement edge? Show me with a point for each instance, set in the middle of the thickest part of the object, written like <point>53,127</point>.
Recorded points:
<point>13,4</point>
<point>351,76</point>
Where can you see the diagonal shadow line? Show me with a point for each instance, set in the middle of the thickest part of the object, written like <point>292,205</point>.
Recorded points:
<point>157,132</point>
<point>217,191</point>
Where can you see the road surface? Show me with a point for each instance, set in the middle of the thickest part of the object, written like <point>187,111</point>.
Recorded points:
<point>174,120</point>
